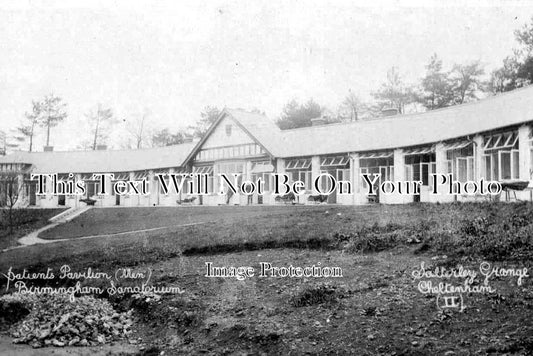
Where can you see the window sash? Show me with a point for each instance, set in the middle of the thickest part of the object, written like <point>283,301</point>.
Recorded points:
<point>301,164</point>
<point>336,161</point>
<point>501,141</point>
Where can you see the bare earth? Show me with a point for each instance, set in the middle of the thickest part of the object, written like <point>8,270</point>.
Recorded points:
<point>375,308</point>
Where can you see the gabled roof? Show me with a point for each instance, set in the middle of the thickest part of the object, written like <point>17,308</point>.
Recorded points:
<point>400,131</point>
<point>259,127</point>
<point>105,161</point>
<point>507,109</point>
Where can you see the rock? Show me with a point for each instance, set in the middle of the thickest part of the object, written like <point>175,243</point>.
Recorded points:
<point>36,344</point>
<point>57,343</point>
<point>73,330</point>
<point>414,343</point>
<point>45,333</point>
<point>55,320</point>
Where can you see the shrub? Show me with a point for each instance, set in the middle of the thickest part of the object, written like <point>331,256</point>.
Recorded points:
<point>365,242</point>
<point>475,227</point>
<point>317,295</point>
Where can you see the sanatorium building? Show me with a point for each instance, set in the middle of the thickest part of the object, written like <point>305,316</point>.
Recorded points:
<point>489,139</point>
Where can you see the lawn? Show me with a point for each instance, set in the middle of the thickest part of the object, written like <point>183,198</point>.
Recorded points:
<point>26,220</point>
<point>375,308</point>
<point>117,220</point>
<point>227,229</point>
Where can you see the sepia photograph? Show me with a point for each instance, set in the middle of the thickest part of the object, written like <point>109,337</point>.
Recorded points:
<point>266,177</point>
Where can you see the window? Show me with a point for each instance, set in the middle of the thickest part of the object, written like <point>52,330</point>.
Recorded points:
<point>376,164</point>
<point>298,164</point>
<point>460,160</point>
<point>325,181</point>
<point>305,176</point>
<point>515,163</point>
<point>343,174</point>
<point>505,165</point>
<point>92,188</point>
<point>265,177</point>
<point>420,167</point>
<point>495,163</point>
<point>369,171</point>
<point>501,156</point>
<point>228,130</point>
<point>334,161</point>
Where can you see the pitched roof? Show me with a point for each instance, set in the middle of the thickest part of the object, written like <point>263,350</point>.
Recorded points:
<point>264,130</point>
<point>511,108</point>
<point>105,161</point>
<point>259,127</point>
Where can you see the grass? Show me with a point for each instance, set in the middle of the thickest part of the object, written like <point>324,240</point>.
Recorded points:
<point>374,308</point>
<point>437,228</point>
<point>117,220</point>
<point>231,229</point>
<point>26,220</point>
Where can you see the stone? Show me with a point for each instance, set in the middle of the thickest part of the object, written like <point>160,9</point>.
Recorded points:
<point>57,343</point>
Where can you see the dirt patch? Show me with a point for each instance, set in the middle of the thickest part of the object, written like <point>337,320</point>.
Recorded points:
<point>12,312</point>
<point>317,295</point>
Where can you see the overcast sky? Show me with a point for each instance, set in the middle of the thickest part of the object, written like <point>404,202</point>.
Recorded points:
<point>173,59</point>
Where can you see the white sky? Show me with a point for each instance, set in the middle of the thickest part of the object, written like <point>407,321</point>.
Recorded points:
<point>173,59</point>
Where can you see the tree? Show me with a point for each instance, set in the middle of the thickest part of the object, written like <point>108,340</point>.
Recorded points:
<point>466,81</point>
<point>208,116</point>
<point>437,88</point>
<point>517,69</point>
<point>505,78</point>
<point>525,71</point>
<point>137,128</point>
<point>102,119</point>
<point>165,138</point>
<point>51,113</point>
<point>394,93</point>
<point>295,115</point>
<point>350,107</point>
<point>524,36</point>
<point>10,191</point>
<point>256,110</point>
<point>27,128</point>
<point>13,140</point>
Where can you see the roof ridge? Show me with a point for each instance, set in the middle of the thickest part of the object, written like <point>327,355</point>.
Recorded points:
<point>113,150</point>
<point>415,114</point>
